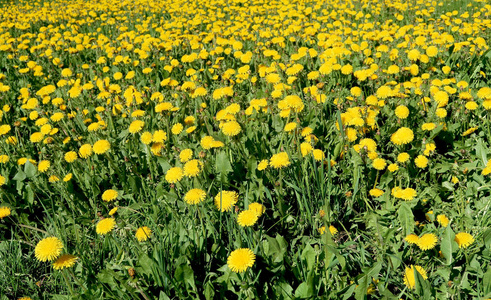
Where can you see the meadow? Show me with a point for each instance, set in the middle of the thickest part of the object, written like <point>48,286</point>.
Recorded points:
<point>239,149</point>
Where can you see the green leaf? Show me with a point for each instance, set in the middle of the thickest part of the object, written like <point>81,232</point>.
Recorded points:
<point>29,169</point>
<point>447,246</point>
<point>308,254</point>
<point>486,281</point>
<point>481,151</point>
<point>20,176</point>
<point>406,218</point>
<point>487,238</point>
<point>304,291</point>
<point>185,274</point>
<point>222,165</point>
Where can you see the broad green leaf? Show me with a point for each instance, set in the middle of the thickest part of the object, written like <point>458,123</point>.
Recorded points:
<point>447,246</point>
<point>406,218</point>
<point>304,291</point>
<point>29,169</point>
<point>308,254</point>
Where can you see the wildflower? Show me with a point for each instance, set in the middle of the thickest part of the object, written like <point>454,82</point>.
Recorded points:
<point>177,128</point>
<point>379,164</point>
<point>174,175</point>
<point>136,126</point>
<point>146,138</point>
<point>464,239</point>
<point>412,239</point>
<point>113,211</point>
<point>239,260</point>
<point>402,112</point>
<point>247,217</point>
<point>427,241</point>
<point>192,168</point>
<point>376,192</point>
<point>85,151</point>
<point>409,279</point>
<point>263,164</point>
<point>109,195</point>
<point>231,128</point>
<point>48,249</point>
<point>402,136</point>
<point>143,233</point>
<point>195,196</point>
<point>393,167</point>
<point>104,226</point>
<point>442,220</point>
<point>68,177</point>
<point>101,146</point>
<point>71,156</point>
<point>290,126</point>
<point>332,230</point>
<point>403,157</point>
<point>257,207</point>
<point>4,212</point>
<point>65,261</point>
<point>225,200</point>
<point>185,155</point>
<point>421,161</point>
<point>279,160</point>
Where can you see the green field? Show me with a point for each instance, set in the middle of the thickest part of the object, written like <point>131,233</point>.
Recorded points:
<point>245,149</point>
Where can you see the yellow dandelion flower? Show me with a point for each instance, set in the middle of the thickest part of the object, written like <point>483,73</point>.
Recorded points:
<point>101,146</point>
<point>109,195</point>
<point>192,168</point>
<point>174,175</point>
<point>225,200</point>
<point>412,239</point>
<point>104,226</point>
<point>427,241</point>
<point>195,196</point>
<point>247,218</point>
<point>239,260</point>
<point>4,212</point>
<point>143,233</point>
<point>464,239</point>
<point>65,261</point>
<point>257,207</point>
<point>279,160</point>
<point>48,249</point>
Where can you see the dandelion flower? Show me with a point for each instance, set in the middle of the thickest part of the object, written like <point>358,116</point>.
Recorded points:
<point>239,260</point>
<point>48,249</point>
<point>402,112</point>
<point>427,241</point>
<point>231,128</point>
<point>71,156</point>
<point>192,168</point>
<point>412,238</point>
<point>332,230</point>
<point>4,212</point>
<point>421,161</point>
<point>65,261</point>
<point>403,157</point>
<point>263,164</point>
<point>376,192</point>
<point>464,239</point>
<point>143,233</point>
<point>402,136</point>
<point>136,126</point>
<point>247,218</point>
<point>109,195</point>
<point>105,225</point>
<point>409,279</point>
<point>379,164</point>
<point>174,175</point>
<point>442,220</point>
<point>101,147</point>
<point>279,160</point>
<point>257,207</point>
<point>225,200</point>
<point>85,151</point>
<point>194,196</point>
<point>185,155</point>
<point>177,128</point>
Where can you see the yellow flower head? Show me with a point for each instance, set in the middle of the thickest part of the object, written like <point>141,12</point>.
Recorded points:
<point>48,249</point>
<point>143,233</point>
<point>239,260</point>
